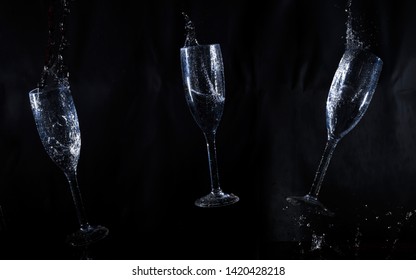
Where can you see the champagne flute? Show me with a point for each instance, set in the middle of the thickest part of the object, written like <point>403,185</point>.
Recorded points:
<point>203,78</point>
<point>57,124</point>
<point>350,94</point>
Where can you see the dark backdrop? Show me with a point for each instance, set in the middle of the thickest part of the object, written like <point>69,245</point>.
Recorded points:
<point>143,159</point>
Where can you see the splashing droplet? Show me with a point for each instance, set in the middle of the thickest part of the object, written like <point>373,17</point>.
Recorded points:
<point>55,73</point>
<point>301,220</point>
<point>357,241</point>
<point>190,39</point>
<point>352,38</point>
<point>317,241</point>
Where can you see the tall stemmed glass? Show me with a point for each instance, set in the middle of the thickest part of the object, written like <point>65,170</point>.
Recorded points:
<point>203,77</point>
<point>57,124</point>
<point>350,94</point>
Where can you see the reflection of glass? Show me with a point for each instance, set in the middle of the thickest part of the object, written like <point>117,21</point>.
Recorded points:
<point>203,77</point>
<point>350,94</point>
<point>57,123</point>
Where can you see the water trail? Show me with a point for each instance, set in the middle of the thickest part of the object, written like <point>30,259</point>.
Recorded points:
<point>352,38</point>
<point>55,72</point>
<point>190,39</point>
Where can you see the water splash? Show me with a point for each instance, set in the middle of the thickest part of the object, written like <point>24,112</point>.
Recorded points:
<point>190,39</point>
<point>55,72</point>
<point>301,221</point>
<point>399,227</point>
<point>317,241</point>
<point>352,38</point>
<point>357,241</point>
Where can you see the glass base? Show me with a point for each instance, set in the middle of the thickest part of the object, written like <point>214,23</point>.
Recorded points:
<point>216,200</point>
<point>312,202</point>
<point>88,235</point>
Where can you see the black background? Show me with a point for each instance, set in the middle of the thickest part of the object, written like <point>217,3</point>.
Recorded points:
<point>143,159</point>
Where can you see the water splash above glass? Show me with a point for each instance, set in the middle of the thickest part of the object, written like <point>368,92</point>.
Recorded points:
<point>352,35</point>
<point>55,73</point>
<point>190,34</point>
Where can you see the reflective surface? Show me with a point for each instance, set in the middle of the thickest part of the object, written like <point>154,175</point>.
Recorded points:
<point>203,78</point>
<point>350,94</point>
<point>57,124</point>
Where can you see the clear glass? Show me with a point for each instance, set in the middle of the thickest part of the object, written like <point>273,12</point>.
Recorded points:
<point>57,124</point>
<point>203,77</point>
<point>350,94</point>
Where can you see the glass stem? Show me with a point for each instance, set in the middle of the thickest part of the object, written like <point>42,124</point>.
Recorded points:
<point>76,195</point>
<point>323,166</point>
<point>212,162</point>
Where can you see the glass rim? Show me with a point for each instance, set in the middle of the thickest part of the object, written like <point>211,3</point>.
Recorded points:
<point>364,51</point>
<point>37,90</point>
<point>201,46</point>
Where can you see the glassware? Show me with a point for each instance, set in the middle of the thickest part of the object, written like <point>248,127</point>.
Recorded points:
<point>203,77</point>
<point>57,124</point>
<point>350,94</point>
